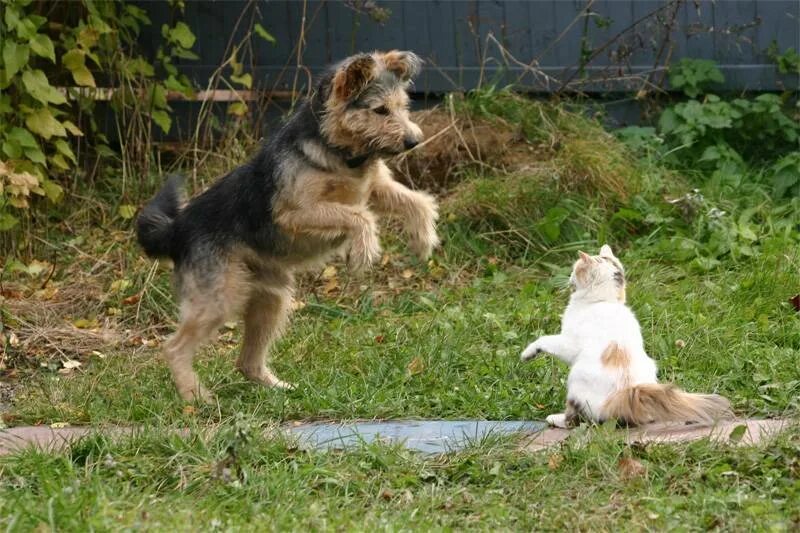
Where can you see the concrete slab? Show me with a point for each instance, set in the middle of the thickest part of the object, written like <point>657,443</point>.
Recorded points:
<point>737,432</point>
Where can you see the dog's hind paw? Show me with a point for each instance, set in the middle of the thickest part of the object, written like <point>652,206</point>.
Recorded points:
<point>197,394</point>
<point>264,376</point>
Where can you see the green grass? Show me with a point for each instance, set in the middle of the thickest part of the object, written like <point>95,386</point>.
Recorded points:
<point>711,293</point>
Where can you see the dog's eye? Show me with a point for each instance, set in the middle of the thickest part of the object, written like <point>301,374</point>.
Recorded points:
<point>382,110</point>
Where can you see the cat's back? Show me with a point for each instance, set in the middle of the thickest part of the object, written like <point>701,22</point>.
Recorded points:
<point>613,321</point>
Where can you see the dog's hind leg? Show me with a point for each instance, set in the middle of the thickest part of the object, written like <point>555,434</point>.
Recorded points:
<point>266,315</point>
<point>197,324</point>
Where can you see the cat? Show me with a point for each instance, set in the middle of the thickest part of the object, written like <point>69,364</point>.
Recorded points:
<point>611,376</point>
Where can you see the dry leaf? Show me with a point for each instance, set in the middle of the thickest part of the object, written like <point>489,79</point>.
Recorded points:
<point>407,273</point>
<point>189,410</point>
<point>85,323</point>
<point>379,339</point>
<point>416,366</point>
<point>59,425</point>
<point>555,461</point>
<point>795,301</point>
<point>387,494</point>
<point>297,305</point>
<point>630,468</point>
<point>331,286</point>
<point>70,364</point>
<point>130,300</point>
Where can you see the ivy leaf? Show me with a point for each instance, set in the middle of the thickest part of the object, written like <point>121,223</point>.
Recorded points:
<point>37,85</point>
<point>238,109</point>
<point>74,59</point>
<point>182,35</point>
<point>43,46</point>
<point>59,161</point>
<point>43,123</point>
<point>12,149</point>
<point>245,79</point>
<point>163,120</point>
<point>264,34</point>
<point>15,56</point>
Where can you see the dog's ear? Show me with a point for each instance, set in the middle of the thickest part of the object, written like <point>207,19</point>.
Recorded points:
<point>353,77</point>
<point>404,65</point>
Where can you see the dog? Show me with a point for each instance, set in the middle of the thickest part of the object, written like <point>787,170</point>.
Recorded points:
<point>313,191</point>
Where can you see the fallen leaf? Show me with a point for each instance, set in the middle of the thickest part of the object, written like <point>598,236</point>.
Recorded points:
<point>407,273</point>
<point>133,299</point>
<point>680,343</point>
<point>416,366</point>
<point>85,323</point>
<point>737,433</point>
<point>379,339</point>
<point>70,364</point>
<point>59,425</point>
<point>297,305</point>
<point>189,410</point>
<point>329,272</point>
<point>387,494</point>
<point>331,286</point>
<point>795,301</point>
<point>13,340</point>
<point>630,468</point>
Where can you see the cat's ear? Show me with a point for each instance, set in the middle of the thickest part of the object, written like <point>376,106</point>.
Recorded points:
<point>605,251</point>
<point>584,256</point>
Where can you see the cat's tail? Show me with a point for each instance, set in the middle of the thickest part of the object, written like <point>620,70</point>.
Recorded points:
<point>657,402</point>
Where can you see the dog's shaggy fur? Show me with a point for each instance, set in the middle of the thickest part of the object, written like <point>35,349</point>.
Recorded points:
<point>311,192</point>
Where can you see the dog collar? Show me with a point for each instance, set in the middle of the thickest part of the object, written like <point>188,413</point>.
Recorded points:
<point>356,161</point>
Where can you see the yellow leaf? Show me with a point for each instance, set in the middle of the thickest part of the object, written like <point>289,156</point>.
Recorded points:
<point>329,272</point>
<point>407,273</point>
<point>126,211</point>
<point>72,128</point>
<point>238,109</point>
<point>42,122</point>
<point>85,323</point>
<point>83,77</point>
<point>59,425</point>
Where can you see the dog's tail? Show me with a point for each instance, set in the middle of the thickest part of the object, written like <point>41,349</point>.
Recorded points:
<point>657,402</point>
<point>154,225</point>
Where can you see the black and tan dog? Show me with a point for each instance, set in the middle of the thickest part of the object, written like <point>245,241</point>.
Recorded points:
<point>310,193</point>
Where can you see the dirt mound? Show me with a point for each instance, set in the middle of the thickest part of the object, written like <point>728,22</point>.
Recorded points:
<point>454,143</point>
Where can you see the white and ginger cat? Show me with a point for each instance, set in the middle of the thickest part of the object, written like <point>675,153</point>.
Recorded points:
<point>611,376</point>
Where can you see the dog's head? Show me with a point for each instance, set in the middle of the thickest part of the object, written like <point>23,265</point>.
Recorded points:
<point>366,103</point>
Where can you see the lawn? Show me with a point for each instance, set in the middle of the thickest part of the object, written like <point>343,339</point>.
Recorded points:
<point>712,259</point>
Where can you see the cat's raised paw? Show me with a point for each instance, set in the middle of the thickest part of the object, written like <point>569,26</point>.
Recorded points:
<point>530,352</point>
<point>559,420</point>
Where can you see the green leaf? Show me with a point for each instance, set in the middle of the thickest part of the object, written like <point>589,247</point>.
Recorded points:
<point>182,35</point>
<point>53,191</point>
<point>43,123</point>
<point>245,79</point>
<point>7,221</point>
<point>15,56</point>
<point>59,161</point>
<point>72,128</point>
<point>12,149</point>
<point>23,137</point>
<point>83,77</point>
<point>74,59</point>
<point>264,34</point>
<point>43,46</point>
<point>35,155</point>
<point>238,109</point>
<point>37,85</point>
<point>127,211</point>
<point>63,148</point>
<point>737,433</point>
<point>163,120</point>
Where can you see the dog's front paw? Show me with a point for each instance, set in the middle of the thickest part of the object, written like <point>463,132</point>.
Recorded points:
<point>423,245</point>
<point>423,229</point>
<point>364,250</point>
<point>531,352</point>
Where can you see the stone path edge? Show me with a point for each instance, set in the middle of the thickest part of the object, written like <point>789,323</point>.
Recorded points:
<point>16,439</point>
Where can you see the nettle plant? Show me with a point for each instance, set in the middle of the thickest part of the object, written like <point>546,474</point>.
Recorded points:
<point>48,91</point>
<point>727,137</point>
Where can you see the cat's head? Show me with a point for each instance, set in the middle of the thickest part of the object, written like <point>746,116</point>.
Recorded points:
<point>601,275</point>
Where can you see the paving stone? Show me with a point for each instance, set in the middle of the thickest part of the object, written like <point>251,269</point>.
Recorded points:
<point>755,432</point>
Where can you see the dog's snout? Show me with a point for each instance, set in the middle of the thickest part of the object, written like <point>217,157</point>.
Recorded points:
<point>410,142</point>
